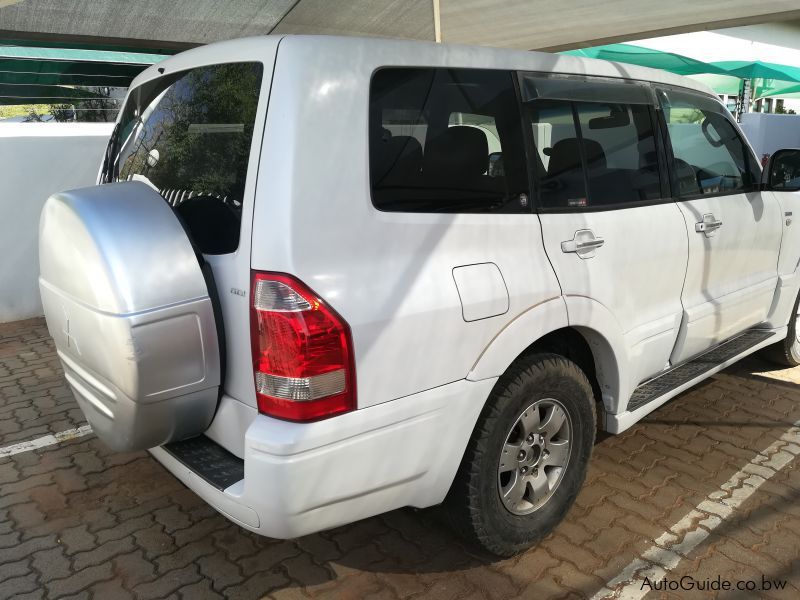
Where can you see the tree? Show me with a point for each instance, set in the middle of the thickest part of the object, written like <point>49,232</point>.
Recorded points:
<point>93,104</point>
<point>202,127</point>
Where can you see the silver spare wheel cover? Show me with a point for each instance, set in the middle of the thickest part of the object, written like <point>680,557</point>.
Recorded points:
<point>128,307</point>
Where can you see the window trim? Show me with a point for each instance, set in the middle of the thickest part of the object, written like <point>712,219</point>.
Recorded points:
<point>670,156</point>
<point>644,84</point>
<point>527,144</point>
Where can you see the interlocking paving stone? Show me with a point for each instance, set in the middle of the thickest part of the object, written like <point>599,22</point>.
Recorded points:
<point>80,521</point>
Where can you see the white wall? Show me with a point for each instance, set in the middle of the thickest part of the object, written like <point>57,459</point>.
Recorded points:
<point>36,160</point>
<point>768,132</point>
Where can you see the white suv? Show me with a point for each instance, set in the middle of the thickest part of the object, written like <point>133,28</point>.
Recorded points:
<point>328,277</point>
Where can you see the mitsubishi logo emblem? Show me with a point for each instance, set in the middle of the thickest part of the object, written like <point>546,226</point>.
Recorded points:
<point>71,341</point>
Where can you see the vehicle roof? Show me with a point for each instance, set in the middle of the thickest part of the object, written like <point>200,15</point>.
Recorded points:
<point>419,53</point>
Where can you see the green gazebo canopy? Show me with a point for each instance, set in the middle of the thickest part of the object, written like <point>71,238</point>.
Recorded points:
<point>724,77</point>
<point>784,91</point>
<point>759,70</point>
<point>646,57</point>
<point>721,84</point>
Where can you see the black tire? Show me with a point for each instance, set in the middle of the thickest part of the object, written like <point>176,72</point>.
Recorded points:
<point>474,505</point>
<point>786,353</point>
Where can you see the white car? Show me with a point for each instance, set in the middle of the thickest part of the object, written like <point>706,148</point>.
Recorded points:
<point>304,289</point>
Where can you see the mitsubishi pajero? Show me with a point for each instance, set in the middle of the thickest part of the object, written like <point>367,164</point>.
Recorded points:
<point>323,278</point>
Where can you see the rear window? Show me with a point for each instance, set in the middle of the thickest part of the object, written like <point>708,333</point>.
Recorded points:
<point>446,140</point>
<point>188,135</point>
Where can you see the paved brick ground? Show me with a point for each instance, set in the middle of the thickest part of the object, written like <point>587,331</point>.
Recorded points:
<point>79,521</point>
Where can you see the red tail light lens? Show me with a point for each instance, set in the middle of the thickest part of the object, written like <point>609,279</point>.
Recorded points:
<point>302,351</point>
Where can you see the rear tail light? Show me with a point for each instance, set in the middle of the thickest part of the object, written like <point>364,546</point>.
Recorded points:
<point>302,351</point>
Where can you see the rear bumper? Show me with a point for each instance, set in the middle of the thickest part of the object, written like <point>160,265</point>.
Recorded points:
<point>302,478</point>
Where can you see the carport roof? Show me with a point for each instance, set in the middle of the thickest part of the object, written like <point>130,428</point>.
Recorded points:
<point>174,25</point>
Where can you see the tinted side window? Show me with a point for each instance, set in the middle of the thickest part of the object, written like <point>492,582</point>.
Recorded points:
<point>446,140</point>
<point>610,146</point>
<point>621,156</point>
<point>709,155</point>
<point>188,135</point>
<point>558,161</point>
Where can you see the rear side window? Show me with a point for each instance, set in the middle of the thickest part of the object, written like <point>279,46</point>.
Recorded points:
<point>620,152</point>
<point>559,164</point>
<point>593,154</point>
<point>709,155</point>
<point>188,135</point>
<point>446,140</point>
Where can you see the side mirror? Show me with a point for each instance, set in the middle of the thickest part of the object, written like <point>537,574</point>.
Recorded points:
<point>783,171</point>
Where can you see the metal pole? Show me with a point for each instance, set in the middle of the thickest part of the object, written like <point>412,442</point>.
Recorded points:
<point>746,86</point>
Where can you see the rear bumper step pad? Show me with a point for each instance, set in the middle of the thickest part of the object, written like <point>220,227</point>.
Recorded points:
<point>208,460</point>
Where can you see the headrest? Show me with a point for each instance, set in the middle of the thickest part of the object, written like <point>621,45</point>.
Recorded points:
<point>457,151</point>
<point>399,155</point>
<point>595,156</point>
<point>565,156</point>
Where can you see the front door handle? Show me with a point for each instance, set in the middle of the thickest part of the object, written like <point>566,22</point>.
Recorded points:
<point>708,225</point>
<point>584,243</point>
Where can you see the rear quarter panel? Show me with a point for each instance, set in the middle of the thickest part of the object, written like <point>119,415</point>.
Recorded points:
<point>388,274</point>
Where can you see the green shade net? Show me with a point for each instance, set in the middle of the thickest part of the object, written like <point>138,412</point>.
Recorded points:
<point>721,84</point>
<point>769,79</point>
<point>43,94</point>
<point>783,91</point>
<point>72,55</point>
<point>25,66</point>
<point>724,77</point>
<point>759,70</point>
<point>646,57</point>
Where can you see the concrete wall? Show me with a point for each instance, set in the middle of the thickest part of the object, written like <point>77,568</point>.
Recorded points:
<point>36,160</point>
<point>767,132</point>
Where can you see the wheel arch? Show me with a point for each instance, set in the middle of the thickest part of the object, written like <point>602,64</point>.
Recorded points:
<point>594,344</point>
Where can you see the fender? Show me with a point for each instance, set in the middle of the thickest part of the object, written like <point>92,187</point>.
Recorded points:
<point>780,313</point>
<point>596,323</point>
<point>593,320</point>
<point>517,336</point>
<point>788,285</point>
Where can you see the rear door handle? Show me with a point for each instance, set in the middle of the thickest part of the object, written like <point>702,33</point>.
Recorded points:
<point>584,243</point>
<point>708,225</point>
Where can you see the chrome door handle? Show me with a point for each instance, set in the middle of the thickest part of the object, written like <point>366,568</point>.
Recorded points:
<point>701,227</point>
<point>573,246</point>
<point>708,225</point>
<point>584,243</point>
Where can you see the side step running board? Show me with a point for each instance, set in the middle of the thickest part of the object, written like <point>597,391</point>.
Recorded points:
<point>680,375</point>
<point>208,460</point>
<point>653,393</point>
